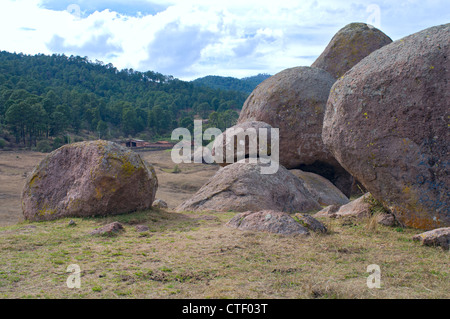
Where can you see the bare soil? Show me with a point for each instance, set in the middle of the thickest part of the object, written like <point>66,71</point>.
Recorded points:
<point>14,167</point>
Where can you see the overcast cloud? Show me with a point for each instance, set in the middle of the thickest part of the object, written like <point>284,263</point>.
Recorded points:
<point>194,38</point>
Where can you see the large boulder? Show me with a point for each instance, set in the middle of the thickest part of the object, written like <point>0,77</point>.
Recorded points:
<point>387,123</point>
<point>241,187</point>
<point>350,45</point>
<point>86,179</point>
<point>268,221</point>
<point>294,101</point>
<point>324,192</point>
<point>243,134</point>
<point>204,153</point>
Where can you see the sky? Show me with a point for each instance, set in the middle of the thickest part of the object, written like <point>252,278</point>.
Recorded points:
<point>189,39</point>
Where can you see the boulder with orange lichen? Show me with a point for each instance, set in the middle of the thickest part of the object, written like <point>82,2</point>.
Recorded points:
<point>387,123</point>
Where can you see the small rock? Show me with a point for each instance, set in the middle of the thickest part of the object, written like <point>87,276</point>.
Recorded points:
<point>159,203</point>
<point>268,221</point>
<point>436,237</point>
<point>329,211</point>
<point>110,229</point>
<point>72,223</point>
<point>311,223</point>
<point>141,228</point>
<point>360,208</point>
<point>386,220</point>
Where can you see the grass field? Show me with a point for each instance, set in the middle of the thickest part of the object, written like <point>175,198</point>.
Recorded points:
<point>195,255</point>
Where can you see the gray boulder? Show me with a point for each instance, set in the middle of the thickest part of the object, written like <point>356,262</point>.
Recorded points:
<point>230,141</point>
<point>241,187</point>
<point>324,192</point>
<point>294,101</point>
<point>350,45</point>
<point>268,221</point>
<point>87,179</point>
<point>387,123</point>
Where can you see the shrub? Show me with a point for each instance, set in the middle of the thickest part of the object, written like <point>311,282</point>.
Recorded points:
<point>176,170</point>
<point>375,205</point>
<point>43,146</point>
<point>2,143</point>
<point>57,143</point>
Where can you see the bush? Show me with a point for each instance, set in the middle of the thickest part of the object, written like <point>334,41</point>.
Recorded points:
<point>58,142</point>
<point>176,170</point>
<point>375,205</point>
<point>44,146</point>
<point>2,143</point>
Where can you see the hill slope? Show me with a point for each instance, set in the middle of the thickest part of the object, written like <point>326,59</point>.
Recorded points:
<point>47,96</point>
<point>245,85</point>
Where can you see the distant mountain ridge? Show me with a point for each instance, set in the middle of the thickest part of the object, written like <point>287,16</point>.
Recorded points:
<point>246,85</point>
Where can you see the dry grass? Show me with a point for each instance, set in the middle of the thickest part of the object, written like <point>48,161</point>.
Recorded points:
<point>192,255</point>
<point>14,167</point>
<point>372,222</point>
<point>175,188</point>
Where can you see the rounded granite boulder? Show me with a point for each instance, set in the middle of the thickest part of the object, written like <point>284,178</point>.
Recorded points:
<point>294,101</point>
<point>388,123</point>
<point>350,45</point>
<point>87,179</point>
<point>241,187</point>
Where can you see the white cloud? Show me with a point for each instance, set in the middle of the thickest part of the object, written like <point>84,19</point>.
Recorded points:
<point>189,39</point>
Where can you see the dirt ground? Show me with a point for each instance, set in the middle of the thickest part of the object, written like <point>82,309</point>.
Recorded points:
<point>173,188</point>
<point>14,167</point>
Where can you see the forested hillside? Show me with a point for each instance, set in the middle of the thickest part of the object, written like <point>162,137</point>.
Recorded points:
<point>45,98</point>
<point>245,85</point>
